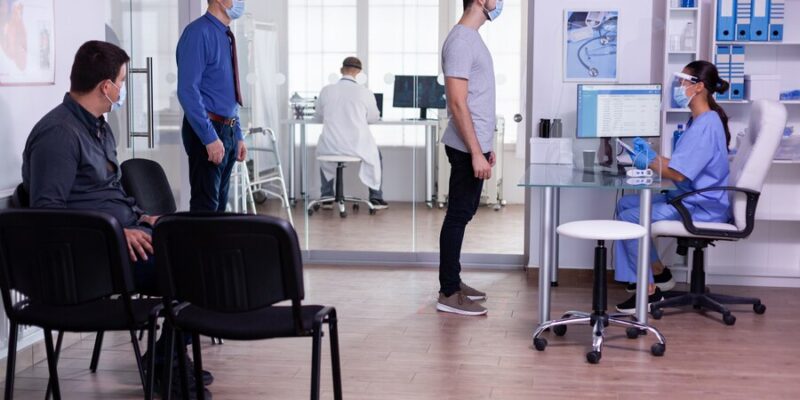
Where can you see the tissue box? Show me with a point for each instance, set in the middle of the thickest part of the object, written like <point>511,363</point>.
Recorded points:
<point>762,87</point>
<point>551,151</point>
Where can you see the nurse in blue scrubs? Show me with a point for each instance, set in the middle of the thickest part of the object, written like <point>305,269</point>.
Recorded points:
<point>699,160</point>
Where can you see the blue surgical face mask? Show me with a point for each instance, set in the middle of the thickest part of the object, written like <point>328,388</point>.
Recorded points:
<point>123,92</point>
<point>680,97</point>
<point>236,11</point>
<point>494,14</point>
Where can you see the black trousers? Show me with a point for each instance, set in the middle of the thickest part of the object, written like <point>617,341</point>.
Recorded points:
<point>209,182</point>
<point>462,204</point>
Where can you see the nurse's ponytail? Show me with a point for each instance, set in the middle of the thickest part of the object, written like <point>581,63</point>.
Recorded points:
<point>707,73</point>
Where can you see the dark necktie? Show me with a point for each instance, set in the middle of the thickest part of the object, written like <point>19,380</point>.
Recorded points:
<point>235,67</point>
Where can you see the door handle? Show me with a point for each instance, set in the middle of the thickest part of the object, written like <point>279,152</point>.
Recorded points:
<point>150,132</point>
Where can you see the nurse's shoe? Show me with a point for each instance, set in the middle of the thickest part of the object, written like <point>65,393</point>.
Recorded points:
<point>664,281</point>
<point>629,306</point>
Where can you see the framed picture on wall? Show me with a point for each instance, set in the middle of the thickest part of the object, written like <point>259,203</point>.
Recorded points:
<point>590,46</point>
<point>27,42</point>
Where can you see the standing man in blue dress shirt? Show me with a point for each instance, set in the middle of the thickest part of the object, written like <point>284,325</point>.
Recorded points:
<point>208,90</point>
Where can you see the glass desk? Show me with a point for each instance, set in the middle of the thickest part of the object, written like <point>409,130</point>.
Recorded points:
<point>552,178</point>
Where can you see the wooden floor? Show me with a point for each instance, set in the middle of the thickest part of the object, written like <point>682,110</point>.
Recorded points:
<point>405,228</point>
<point>395,346</point>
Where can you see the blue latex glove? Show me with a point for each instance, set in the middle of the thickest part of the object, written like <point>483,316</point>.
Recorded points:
<point>643,154</point>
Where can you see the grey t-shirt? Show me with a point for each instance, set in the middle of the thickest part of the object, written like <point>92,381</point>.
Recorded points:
<point>465,56</point>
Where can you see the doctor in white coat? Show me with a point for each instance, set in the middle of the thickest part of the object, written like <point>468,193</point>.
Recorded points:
<point>346,109</point>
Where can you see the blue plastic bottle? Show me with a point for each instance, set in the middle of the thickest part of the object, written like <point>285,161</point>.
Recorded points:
<point>676,135</point>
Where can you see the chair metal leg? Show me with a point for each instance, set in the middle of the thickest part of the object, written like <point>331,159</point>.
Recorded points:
<point>137,354</point>
<point>52,363</point>
<point>166,382</point>
<point>335,361</point>
<point>98,345</point>
<point>198,367</point>
<point>59,341</point>
<point>151,359</point>
<point>560,322</point>
<point>182,365</point>
<point>11,360</point>
<point>316,359</point>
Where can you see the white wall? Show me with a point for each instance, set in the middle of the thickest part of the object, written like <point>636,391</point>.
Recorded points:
<point>552,98</point>
<point>21,107</point>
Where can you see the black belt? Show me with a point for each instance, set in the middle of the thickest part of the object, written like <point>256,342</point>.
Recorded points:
<point>222,120</point>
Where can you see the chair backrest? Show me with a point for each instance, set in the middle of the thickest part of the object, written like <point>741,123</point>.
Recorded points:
<point>755,153</point>
<point>146,181</point>
<point>61,257</point>
<point>20,197</point>
<point>228,262</point>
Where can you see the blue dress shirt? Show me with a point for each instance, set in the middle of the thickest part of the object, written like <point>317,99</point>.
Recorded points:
<point>205,76</point>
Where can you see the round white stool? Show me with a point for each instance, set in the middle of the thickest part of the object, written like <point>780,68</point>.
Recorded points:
<point>339,198</point>
<point>599,230</point>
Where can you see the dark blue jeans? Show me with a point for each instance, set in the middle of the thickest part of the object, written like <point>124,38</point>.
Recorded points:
<point>209,181</point>
<point>462,204</point>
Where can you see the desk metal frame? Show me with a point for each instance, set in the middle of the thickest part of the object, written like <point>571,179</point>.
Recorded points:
<point>431,140</point>
<point>548,271</point>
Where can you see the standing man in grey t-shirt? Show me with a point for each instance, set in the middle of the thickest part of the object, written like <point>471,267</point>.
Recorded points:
<point>470,89</point>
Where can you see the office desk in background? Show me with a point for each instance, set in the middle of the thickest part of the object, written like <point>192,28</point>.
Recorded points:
<point>551,179</point>
<point>431,136</point>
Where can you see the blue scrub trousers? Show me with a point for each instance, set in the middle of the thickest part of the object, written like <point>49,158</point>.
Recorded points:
<point>627,251</point>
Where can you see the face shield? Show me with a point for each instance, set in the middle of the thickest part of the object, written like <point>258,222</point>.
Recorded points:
<point>682,79</point>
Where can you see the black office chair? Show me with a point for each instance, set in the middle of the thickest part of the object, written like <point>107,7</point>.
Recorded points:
<point>221,274</point>
<point>748,172</point>
<point>145,181</point>
<point>68,271</point>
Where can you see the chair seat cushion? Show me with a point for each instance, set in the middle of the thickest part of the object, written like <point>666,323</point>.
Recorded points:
<point>268,322</point>
<point>676,229</point>
<point>338,159</point>
<point>602,230</point>
<point>98,315</point>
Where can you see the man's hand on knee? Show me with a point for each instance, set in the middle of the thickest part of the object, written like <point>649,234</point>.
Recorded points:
<point>139,243</point>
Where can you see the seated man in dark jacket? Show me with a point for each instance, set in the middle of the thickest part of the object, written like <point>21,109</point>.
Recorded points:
<point>70,158</point>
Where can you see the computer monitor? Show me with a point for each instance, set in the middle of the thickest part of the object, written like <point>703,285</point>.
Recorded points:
<point>421,92</point>
<point>619,111</point>
<point>379,100</point>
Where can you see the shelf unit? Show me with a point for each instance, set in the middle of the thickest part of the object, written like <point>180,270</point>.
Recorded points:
<point>771,250</point>
<point>675,58</point>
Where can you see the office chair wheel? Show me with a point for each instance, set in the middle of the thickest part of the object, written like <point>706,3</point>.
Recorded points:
<point>657,313</point>
<point>316,207</point>
<point>658,349</point>
<point>560,330</point>
<point>310,212</point>
<point>632,333</point>
<point>373,211</point>
<point>759,308</point>
<point>728,319</point>
<point>540,344</point>
<point>593,357</point>
<point>343,214</point>
<point>356,207</point>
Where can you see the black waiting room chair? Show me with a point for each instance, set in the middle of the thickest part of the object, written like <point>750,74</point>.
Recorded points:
<point>68,271</point>
<point>221,276</point>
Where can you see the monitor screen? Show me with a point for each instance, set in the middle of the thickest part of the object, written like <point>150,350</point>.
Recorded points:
<point>430,94</point>
<point>379,100</point>
<point>404,89</point>
<point>608,111</point>
<point>418,92</point>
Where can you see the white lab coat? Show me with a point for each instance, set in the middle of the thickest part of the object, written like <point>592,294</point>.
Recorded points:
<point>346,109</point>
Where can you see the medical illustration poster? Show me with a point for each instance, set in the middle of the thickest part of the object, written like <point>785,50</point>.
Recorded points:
<point>27,48</point>
<point>590,46</point>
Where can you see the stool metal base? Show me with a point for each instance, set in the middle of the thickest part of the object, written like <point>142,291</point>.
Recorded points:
<point>598,323</point>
